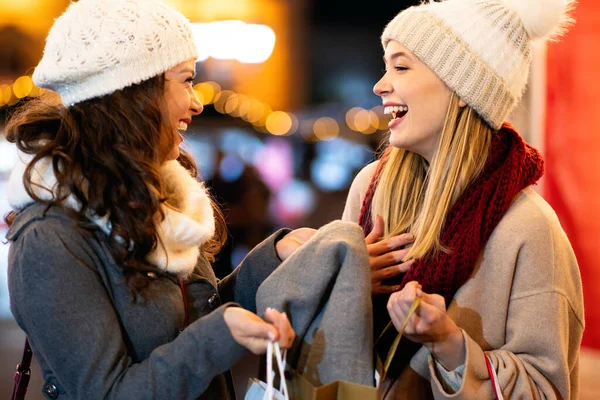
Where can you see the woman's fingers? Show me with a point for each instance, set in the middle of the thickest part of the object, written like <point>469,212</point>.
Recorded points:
<point>291,242</point>
<point>385,246</point>
<point>377,231</point>
<point>428,323</point>
<point>378,275</point>
<point>378,288</point>
<point>385,256</point>
<point>257,328</point>
<point>400,303</point>
<point>283,326</point>
<point>433,300</point>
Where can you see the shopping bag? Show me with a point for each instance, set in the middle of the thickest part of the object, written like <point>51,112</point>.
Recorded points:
<point>259,390</point>
<point>302,389</point>
<point>296,387</point>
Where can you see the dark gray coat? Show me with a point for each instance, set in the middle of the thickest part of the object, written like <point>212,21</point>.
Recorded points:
<point>93,341</point>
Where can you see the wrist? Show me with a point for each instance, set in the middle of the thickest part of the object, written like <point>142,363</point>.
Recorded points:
<point>451,351</point>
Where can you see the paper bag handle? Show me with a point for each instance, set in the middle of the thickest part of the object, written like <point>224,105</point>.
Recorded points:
<point>273,347</point>
<point>392,352</point>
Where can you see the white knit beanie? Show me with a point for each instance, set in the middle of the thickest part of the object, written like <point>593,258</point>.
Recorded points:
<point>481,49</point>
<point>99,46</point>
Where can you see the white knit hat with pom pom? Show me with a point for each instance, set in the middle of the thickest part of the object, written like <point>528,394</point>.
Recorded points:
<point>99,46</point>
<point>480,48</point>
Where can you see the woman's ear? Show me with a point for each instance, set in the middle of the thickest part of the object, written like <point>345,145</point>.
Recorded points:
<point>461,103</point>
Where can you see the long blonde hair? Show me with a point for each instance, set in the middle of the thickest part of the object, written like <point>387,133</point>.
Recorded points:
<point>415,196</point>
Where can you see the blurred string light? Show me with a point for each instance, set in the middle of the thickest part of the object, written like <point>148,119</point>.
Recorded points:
<point>281,123</point>
<point>326,128</point>
<point>234,40</point>
<point>237,105</point>
<point>22,87</point>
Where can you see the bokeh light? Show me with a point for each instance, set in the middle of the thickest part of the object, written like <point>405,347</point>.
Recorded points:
<point>326,128</point>
<point>278,123</point>
<point>23,86</point>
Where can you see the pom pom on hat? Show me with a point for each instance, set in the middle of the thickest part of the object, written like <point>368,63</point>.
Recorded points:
<point>543,19</point>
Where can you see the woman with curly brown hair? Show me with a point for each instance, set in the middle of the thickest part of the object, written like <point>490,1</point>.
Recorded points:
<point>111,236</point>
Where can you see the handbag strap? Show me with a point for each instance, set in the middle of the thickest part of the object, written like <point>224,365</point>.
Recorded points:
<point>186,306</point>
<point>493,378</point>
<point>23,373</point>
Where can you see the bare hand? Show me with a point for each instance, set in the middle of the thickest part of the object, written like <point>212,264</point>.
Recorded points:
<point>249,330</point>
<point>292,241</point>
<point>385,257</point>
<point>430,324</point>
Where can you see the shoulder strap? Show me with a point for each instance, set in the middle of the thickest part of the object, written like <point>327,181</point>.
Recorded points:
<point>23,373</point>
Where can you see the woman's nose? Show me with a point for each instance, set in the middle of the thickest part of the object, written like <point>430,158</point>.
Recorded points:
<point>196,105</point>
<point>382,87</point>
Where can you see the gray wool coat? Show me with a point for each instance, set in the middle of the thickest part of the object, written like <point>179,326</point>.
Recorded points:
<point>93,341</point>
<point>325,288</point>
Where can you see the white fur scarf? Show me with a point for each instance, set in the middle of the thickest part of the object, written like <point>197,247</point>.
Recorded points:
<point>188,224</point>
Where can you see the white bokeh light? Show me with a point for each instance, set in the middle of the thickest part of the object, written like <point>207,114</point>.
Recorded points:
<point>234,40</point>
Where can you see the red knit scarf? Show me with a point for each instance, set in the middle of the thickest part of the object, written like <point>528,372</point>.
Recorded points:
<point>512,166</point>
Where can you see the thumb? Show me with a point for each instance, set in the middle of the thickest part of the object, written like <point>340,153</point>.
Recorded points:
<point>377,231</point>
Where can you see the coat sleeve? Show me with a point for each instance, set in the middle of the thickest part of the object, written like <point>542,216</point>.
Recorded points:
<point>357,193</point>
<point>241,285</point>
<point>529,366</point>
<point>544,326</point>
<point>60,301</point>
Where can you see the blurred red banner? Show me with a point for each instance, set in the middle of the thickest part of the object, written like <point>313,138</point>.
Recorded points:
<point>572,150</point>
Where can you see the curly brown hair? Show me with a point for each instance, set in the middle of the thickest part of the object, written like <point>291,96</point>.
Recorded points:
<point>105,152</point>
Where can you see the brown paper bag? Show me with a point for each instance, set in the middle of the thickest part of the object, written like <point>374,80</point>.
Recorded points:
<point>301,389</point>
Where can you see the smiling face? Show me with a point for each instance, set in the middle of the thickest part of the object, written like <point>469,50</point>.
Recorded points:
<point>416,98</point>
<point>180,105</point>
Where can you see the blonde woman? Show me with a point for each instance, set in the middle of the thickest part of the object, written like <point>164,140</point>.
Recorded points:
<point>451,217</point>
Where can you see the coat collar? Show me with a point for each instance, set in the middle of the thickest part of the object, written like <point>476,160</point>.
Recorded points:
<point>188,222</point>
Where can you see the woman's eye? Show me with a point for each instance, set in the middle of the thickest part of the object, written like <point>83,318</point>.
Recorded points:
<point>400,68</point>
<point>190,79</point>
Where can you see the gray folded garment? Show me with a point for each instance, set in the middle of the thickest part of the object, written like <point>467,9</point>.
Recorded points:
<point>325,289</point>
